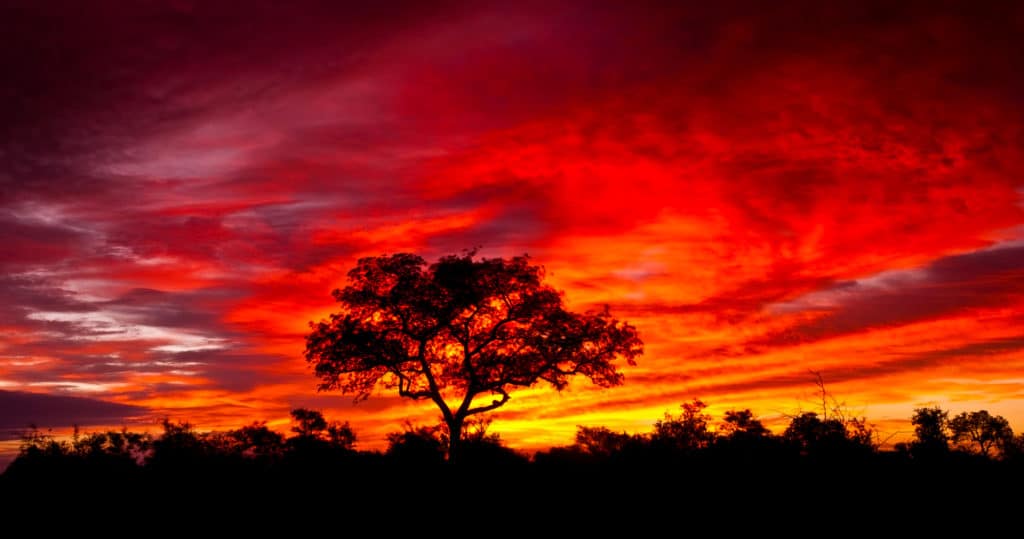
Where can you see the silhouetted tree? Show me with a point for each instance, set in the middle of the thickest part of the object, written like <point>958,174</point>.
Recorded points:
<point>931,438</point>
<point>459,330</point>
<point>741,424</point>
<point>832,438</point>
<point>1014,449</point>
<point>180,446</point>
<point>308,423</point>
<point>256,440</point>
<point>743,439</point>
<point>686,432</point>
<point>859,432</point>
<point>982,429</point>
<point>601,442</point>
<point>341,435</point>
<point>311,429</point>
<point>835,432</point>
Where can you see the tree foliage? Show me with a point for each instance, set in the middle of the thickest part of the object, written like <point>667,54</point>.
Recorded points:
<point>832,437</point>
<point>931,438</point>
<point>741,424</point>
<point>687,431</point>
<point>601,441</point>
<point>981,430</point>
<point>463,333</point>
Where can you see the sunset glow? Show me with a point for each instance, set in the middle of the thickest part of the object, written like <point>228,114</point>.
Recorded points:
<point>762,191</point>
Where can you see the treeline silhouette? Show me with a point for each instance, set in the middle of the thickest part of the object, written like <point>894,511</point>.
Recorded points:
<point>690,443</point>
<point>732,472</point>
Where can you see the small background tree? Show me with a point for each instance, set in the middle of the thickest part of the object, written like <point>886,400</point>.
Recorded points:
<point>685,432</point>
<point>930,433</point>
<point>982,430</point>
<point>312,430</point>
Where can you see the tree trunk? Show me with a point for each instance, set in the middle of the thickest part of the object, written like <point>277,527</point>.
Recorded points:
<point>454,439</point>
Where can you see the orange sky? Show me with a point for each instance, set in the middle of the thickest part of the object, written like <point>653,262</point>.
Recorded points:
<point>762,192</point>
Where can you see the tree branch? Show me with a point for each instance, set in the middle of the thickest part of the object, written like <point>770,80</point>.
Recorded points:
<point>414,395</point>
<point>405,386</point>
<point>494,404</point>
<point>493,335</point>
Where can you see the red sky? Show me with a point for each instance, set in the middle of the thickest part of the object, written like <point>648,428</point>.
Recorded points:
<point>763,191</point>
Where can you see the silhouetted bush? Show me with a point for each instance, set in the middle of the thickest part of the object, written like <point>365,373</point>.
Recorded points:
<point>417,446</point>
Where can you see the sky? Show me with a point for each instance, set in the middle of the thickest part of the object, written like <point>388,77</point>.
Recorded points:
<point>765,191</point>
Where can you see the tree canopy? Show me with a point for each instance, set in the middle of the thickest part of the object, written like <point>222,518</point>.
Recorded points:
<point>460,331</point>
<point>981,429</point>
<point>930,426</point>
